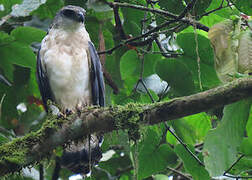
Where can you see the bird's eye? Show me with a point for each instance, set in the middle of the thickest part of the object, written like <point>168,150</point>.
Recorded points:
<point>68,13</point>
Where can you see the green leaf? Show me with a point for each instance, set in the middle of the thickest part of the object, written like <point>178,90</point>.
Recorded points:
<point>133,18</point>
<point>173,6</point>
<point>192,166</point>
<point>244,6</point>
<point>3,139</point>
<point>184,131</point>
<point>18,53</point>
<point>224,12</point>
<point>220,147</point>
<point>244,52</point>
<point>200,6</point>
<point>246,147</point>
<point>27,35</point>
<point>208,75</point>
<point>201,123</point>
<point>152,157</point>
<point>177,75</point>
<point>161,177</point>
<point>49,9</point>
<point>130,68</point>
<point>7,4</point>
<point>187,42</point>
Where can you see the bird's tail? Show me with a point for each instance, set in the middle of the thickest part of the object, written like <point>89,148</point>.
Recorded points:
<point>81,159</point>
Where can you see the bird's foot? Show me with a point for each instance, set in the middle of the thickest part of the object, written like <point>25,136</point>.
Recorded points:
<point>65,113</point>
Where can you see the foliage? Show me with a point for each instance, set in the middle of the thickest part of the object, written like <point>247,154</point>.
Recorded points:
<point>179,54</point>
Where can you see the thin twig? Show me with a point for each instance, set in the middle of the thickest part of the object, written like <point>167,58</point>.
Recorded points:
<point>179,173</point>
<point>142,61</point>
<point>211,11</point>
<point>233,164</point>
<point>163,93</point>
<point>159,11</point>
<point>187,9</point>
<point>4,80</point>
<point>185,146</point>
<point>233,176</point>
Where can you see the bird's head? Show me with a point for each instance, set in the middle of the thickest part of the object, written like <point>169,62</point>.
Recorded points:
<point>70,16</point>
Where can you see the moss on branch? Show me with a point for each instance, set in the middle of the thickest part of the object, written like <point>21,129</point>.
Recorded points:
<point>32,148</point>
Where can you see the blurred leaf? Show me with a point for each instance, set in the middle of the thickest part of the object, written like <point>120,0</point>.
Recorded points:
<point>208,75</point>
<point>244,6</point>
<point>187,42</point>
<point>246,147</point>
<point>98,6</point>
<point>161,177</point>
<point>192,166</point>
<point>145,98</point>
<point>49,9</point>
<point>173,6</point>
<point>13,52</point>
<point>244,52</point>
<point>200,6</point>
<point>18,53</point>
<point>7,5</point>
<point>220,147</point>
<point>133,18</point>
<point>153,157</point>
<point>223,13</point>
<point>3,139</point>
<point>26,7</point>
<point>28,35</point>
<point>201,123</point>
<point>150,61</point>
<point>177,75</point>
<point>184,131</point>
<point>130,68</point>
<point>249,125</point>
<point>5,38</point>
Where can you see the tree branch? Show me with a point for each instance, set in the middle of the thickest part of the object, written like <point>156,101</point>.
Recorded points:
<point>29,150</point>
<point>163,13</point>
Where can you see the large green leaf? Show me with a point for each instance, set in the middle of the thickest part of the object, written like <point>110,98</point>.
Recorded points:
<point>184,131</point>
<point>187,42</point>
<point>18,53</point>
<point>208,75</point>
<point>132,23</point>
<point>192,166</point>
<point>27,35</point>
<point>177,75</point>
<point>130,65</point>
<point>153,157</point>
<point>220,147</point>
<point>201,123</point>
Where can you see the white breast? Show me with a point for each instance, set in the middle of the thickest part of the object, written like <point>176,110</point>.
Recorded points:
<point>65,60</point>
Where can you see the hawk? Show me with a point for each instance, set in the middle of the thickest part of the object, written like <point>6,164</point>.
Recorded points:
<point>69,73</point>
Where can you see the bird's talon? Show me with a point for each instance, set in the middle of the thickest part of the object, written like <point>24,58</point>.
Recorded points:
<point>68,112</point>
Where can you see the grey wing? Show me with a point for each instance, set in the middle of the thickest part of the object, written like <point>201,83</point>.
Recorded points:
<point>97,81</point>
<point>43,82</point>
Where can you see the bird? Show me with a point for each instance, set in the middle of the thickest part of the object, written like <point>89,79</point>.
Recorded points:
<point>69,73</point>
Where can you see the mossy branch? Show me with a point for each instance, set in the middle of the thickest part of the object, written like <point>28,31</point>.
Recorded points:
<point>31,149</point>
